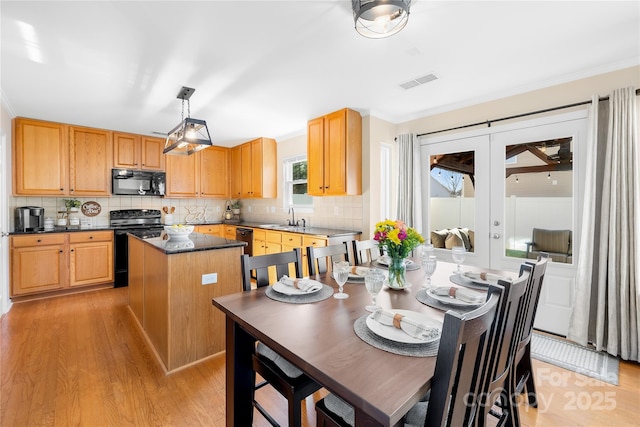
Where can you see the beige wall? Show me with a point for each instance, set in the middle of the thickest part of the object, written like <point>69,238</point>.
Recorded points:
<point>362,212</point>
<point>564,94</point>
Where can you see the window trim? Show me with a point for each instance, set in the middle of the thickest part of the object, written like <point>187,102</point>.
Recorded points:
<point>287,188</point>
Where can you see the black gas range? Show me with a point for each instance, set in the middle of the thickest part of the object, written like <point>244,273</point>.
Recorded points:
<point>144,223</point>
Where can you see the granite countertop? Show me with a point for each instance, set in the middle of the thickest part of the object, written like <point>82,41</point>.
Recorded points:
<point>193,243</point>
<point>315,231</point>
<point>63,229</point>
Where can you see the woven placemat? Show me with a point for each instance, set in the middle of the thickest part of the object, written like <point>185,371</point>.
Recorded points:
<point>415,350</point>
<point>425,299</point>
<point>321,295</point>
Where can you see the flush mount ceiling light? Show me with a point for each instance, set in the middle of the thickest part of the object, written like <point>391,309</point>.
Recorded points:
<point>377,19</point>
<point>190,135</point>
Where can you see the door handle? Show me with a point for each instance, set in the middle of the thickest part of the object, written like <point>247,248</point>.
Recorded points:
<point>496,223</point>
<point>496,236</point>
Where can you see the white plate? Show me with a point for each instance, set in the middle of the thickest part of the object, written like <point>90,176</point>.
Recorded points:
<point>446,299</point>
<point>357,273</point>
<point>480,281</point>
<point>398,335</point>
<point>290,290</point>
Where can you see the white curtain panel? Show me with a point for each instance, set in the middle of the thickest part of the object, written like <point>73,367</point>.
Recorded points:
<point>409,184</point>
<point>612,297</point>
<point>579,321</point>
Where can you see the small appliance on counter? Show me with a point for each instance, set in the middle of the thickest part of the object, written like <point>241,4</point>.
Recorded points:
<point>29,218</point>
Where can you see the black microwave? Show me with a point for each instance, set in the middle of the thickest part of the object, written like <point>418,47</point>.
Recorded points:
<point>127,182</point>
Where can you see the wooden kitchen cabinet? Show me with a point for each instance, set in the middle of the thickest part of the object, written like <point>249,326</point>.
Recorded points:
<point>213,229</point>
<point>214,172</point>
<point>38,263</point>
<point>334,150</point>
<point>235,172</point>
<point>90,154</point>
<point>230,232</point>
<point>40,157</point>
<point>258,163</point>
<point>42,263</point>
<point>85,249</point>
<point>203,174</point>
<point>259,242</point>
<point>314,241</point>
<point>141,152</point>
<point>182,175</point>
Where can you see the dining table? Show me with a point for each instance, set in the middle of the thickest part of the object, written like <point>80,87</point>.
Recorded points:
<point>319,338</point>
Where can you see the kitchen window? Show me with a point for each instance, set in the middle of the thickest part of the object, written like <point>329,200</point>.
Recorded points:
<point>295,183</point>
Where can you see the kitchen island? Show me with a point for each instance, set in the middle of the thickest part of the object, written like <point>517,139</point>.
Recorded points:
<point>171,284</point>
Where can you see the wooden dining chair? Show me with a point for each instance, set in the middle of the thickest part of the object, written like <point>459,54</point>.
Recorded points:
<point>319,258</point>
<point>287,379</point>
<point>503,346</point>
<point>365,251</point>
<point>521,375</point>
<point>456,387</point>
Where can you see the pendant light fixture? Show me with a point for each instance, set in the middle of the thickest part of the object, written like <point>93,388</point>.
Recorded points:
<point>191,135</point>
<point>377,19</point>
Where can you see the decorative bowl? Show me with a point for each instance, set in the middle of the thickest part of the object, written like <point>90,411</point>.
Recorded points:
<point>178,231</point>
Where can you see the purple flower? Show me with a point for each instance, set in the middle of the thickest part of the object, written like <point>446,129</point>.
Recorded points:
<point>402,234</point>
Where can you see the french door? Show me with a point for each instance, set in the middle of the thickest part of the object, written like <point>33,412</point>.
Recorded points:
<point>499,184</point>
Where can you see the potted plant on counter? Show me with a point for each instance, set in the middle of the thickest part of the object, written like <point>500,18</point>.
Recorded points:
<point>235,207</point>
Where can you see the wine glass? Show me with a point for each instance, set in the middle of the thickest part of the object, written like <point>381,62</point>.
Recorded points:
<point>429,263</point>
<point>373,280</point>
<point>341,274</point>
<point>458,253</point>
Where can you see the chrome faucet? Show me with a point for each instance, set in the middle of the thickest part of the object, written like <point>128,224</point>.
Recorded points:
<point>304,222</point>
<point>292,221</point>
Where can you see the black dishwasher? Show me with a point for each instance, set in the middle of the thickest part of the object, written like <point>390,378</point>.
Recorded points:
<point>245,235</point>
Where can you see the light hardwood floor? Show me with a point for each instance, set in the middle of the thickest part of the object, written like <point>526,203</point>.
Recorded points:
<point>79,360</point>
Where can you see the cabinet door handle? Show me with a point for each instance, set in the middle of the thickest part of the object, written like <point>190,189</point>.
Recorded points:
<point>72,250</point>
<point>39,240</point>
<point>60,251</point>
<point>90,237</point>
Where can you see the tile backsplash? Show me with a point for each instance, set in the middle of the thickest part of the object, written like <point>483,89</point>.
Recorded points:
<point>331,212</point>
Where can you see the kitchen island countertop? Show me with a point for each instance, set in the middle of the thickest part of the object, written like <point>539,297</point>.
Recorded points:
<point>193,243</point>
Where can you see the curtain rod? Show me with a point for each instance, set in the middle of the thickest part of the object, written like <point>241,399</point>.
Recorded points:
<point>488,122</point>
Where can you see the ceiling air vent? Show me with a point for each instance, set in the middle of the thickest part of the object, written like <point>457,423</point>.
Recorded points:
<point>419,81</point>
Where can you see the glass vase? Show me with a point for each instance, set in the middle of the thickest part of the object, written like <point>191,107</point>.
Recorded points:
<point>397,273</point>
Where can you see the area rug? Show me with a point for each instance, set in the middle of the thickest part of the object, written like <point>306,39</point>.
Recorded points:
<point>567,355</point>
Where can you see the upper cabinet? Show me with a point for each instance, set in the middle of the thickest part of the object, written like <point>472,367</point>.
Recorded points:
<point>235,172</point>
<point>334,149</point>
<point>203,174</point>
<point>53,159</point>
<point>90,153</point>
<point>40,158</point>
<point>137,152</point>
<point>258,177</point>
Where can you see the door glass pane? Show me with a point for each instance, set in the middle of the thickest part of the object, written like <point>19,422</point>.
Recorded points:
<point>539,199</point>
<point>452,204</point>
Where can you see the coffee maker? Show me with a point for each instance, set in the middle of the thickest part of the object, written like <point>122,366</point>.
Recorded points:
<point>29,218</point>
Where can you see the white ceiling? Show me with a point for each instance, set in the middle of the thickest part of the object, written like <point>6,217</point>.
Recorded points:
<point>263,68</point>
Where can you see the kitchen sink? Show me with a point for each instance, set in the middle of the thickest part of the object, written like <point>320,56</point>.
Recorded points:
<point>283,227</point>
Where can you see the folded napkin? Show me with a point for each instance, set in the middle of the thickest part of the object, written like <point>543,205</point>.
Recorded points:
<point>305,285</point>
<point>410,326</point>
<point>464,295</point>
<point>487,277</point>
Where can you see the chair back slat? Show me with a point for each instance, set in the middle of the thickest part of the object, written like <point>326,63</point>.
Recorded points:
<point>365,251</point>
<point>261,263</point>
<point>318,257</point>
<point>461,360</point>
<point>532,298</point>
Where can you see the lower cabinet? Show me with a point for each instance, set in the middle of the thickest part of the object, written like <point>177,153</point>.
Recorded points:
<point>90,258</point>
<point>50,262</point>
<point>214,229</point>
